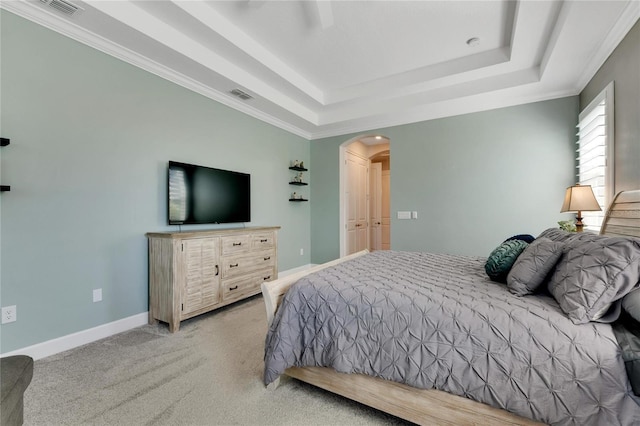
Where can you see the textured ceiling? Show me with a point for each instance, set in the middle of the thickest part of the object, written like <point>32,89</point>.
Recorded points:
<point>323,68</point>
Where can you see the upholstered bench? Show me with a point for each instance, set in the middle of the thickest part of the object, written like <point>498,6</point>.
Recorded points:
<point>15,375</point>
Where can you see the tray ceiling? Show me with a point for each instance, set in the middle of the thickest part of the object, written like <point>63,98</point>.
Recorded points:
<point>324,68</point>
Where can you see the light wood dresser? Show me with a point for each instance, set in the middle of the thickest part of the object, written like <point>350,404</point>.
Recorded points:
<point>194,272</point>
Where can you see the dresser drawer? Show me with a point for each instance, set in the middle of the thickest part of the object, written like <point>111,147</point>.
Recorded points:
<point>238,288</point>
<point>263,240</point>
<point>236,244</point>
<point>233,266</point>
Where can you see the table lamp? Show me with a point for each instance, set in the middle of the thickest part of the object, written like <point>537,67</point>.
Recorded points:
<point>579,198</point>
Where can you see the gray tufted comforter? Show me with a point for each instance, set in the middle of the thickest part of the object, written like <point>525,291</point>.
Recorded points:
<point>436,321</point>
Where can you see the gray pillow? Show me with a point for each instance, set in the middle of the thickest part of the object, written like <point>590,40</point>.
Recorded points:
<point>594,273</point>
<point>631,304</point>
<point>533,266</point>
<point>557,234</point>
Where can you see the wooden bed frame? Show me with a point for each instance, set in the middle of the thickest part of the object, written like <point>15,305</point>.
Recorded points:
<point>427,406</point>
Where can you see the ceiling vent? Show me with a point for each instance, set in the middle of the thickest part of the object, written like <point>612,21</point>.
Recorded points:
<point>241,94</point>
<point>62,6</point>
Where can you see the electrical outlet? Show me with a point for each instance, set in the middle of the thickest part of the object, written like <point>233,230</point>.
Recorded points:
<point>301,252</point>
<point>97,295</point>
<point>9,314</point>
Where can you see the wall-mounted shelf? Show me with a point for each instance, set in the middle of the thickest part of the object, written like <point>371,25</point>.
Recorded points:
<point>298,180</point>
<point>5,142</point>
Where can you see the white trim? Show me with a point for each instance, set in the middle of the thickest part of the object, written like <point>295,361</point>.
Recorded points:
<point>34,13</point>
<point>586,119</point>
<point>342,204</point>
<point>607,94</point>
<point>610,175</point>
<point>342,157</point>
<point>295,270</point>
<point>74,340</point>
<point>444,109</point>
<point>627,20</point>
<point>70,341</point>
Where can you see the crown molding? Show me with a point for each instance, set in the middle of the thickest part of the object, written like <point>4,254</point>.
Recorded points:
<point>628,18</point>
<point>223,27</point>
<point>32,11</point>
<point>40,16</point>
<point>448,108</point>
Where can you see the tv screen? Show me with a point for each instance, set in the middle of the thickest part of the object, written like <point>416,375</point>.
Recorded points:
<point>200,194</point>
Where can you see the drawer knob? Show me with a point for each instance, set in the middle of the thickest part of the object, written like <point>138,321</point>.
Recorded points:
<point>264,241</point>
<point>233,266</point>
<point>237,244</point>
<point>267,258</point>
<point>267,278</point>
<point>233,288</point>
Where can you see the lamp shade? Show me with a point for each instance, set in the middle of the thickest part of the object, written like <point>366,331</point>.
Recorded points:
<point>580,198</point>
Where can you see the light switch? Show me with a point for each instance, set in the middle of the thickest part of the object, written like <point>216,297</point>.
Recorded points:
<point>404,215</point>
<point>414,215</point>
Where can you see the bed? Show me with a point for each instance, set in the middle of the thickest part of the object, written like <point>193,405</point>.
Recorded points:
<point>458,348</point>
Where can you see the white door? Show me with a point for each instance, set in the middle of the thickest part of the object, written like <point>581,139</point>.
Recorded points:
<point>351,197</point>
<point>375,212</point>
<point>356,195</point>
<point>386,210</point>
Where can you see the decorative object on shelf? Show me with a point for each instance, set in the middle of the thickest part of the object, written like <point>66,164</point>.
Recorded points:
<point>5,142</point>
<point>579,198</point>
<point>297,179</point>
<point>296,197</point>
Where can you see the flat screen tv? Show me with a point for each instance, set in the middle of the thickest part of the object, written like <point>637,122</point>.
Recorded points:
<point>198,194</point>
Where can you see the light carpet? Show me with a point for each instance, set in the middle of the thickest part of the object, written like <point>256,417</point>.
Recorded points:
<point>208,373</point>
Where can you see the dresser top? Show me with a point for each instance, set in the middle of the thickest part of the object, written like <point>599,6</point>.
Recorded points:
<point>210,232</point>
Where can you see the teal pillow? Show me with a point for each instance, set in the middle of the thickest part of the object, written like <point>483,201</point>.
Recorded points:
<point>502,259</point>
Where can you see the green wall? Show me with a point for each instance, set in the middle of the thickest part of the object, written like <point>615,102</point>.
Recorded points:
<point>474,179</point>
<point>91,137</point>
<point>90,140</point>
<point>623,68</point>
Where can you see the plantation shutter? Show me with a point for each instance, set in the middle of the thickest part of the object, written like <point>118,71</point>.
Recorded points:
<point>595,154</point>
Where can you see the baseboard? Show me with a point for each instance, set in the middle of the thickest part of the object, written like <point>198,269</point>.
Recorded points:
<point>283,274</point>
<point>70,341</point>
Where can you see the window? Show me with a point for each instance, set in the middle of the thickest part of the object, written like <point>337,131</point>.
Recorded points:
<point>595,154</point>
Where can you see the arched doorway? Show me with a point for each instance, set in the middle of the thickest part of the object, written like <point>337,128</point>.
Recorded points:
<point>356,209</point>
